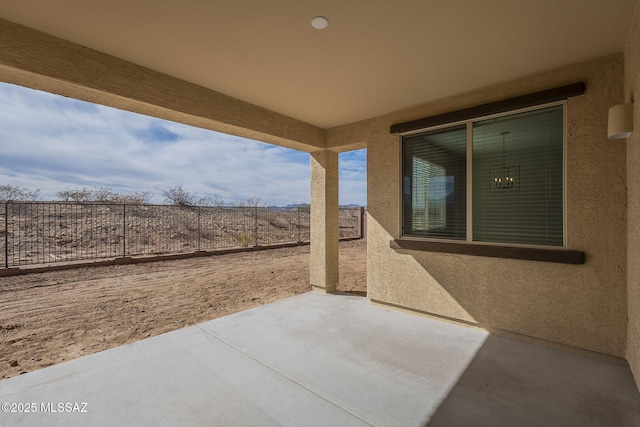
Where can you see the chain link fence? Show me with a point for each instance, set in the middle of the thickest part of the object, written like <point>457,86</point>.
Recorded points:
<point>43,232</point>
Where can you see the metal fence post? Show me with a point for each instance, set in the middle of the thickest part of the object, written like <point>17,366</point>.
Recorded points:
<point>6,234</point>
<point>299,227</point>
<point>255,228</point>
<point>199,231</point>
<point>361,222</point>
<point>124,230</point>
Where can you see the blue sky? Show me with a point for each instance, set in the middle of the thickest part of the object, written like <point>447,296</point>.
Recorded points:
<point>52,143</point>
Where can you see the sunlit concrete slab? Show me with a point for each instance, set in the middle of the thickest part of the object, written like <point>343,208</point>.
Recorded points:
<point>327,360</point>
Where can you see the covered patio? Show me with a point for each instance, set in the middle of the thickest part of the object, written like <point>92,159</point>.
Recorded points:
<point>508,337</point>
<point>329,360</point>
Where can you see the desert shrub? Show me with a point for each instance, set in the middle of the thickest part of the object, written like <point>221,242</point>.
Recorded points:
<point>104,195</point>
<point>251,202</point>
<point>211,201</point>
<point>75,195</point>
<point>16,193</point>
<point>244,239</point>
<point>135,198</point>
<point>179,196</point>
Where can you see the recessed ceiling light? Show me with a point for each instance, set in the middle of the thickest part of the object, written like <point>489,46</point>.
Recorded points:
<point>319,22</point>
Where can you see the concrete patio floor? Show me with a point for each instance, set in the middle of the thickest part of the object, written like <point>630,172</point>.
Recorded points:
<point>327,360</point>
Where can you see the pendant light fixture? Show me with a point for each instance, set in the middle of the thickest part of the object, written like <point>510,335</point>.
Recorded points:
<point>505,177</point>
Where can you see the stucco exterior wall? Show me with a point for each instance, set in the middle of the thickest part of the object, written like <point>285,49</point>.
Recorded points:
<point>583,306</point>
<point>632,91</point>
<point>325,220</point>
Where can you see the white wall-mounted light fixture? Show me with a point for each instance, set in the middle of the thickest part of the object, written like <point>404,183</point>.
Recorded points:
<point>620,121</point>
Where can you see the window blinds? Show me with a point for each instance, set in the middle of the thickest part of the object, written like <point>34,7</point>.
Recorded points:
<point>518,178</point>
<point>435,183</point>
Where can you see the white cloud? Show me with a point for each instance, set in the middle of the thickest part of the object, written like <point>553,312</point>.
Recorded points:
<point>53,143</point>
<point>353,177</point>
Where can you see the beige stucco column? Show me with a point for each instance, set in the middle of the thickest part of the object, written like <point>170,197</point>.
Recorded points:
<point>324,220</point>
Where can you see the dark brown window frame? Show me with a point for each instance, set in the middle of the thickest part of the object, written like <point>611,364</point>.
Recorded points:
<point>564,256</point>
<point>482,249</point>
<point>504,106</point>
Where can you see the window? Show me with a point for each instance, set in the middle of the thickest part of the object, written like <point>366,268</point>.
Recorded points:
<point>429,203</point>
<point>515,191</point>
<point>435,183</point>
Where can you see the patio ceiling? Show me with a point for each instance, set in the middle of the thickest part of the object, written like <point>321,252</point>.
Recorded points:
<point>374,58</point>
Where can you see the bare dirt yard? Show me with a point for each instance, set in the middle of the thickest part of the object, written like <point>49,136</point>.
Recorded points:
<point>48,318</point>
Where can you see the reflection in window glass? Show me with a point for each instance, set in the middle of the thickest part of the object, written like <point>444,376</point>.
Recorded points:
<point>429,196</point>
<point>435,184</point>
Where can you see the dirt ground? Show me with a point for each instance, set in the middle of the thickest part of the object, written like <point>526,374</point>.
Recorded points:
<point>48,318</point>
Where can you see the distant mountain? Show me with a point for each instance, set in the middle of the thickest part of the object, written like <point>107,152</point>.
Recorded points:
<point>298,205</point>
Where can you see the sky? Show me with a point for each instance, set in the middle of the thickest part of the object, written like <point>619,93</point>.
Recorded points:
<point>52,143</point>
